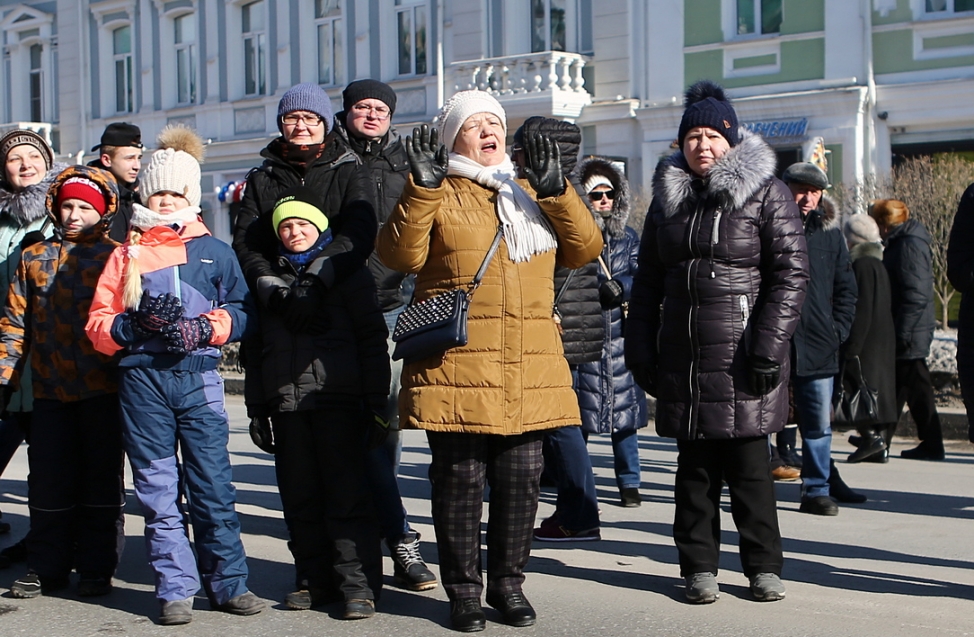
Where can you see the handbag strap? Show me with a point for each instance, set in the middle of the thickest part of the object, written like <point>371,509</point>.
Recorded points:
<point>483,266</point>
<point>564,286</point>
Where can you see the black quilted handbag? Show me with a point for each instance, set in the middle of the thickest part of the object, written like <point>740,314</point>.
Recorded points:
<point>855,403</point>
<point>439,323</point>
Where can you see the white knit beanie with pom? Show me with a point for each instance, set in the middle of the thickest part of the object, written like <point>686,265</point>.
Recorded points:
<point>458,108</point>
<point>172,168</point>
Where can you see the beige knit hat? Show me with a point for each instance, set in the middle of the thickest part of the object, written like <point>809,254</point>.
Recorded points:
<point>861,228</point>
<point>175,167</point>
<point>462,105</point>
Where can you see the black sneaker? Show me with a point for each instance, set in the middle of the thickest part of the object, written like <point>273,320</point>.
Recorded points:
<point>924,451</point>
<point>14,553</point>
<point>359,609</point>
<point>410,571</point>
<point>31,585</point>
<point>630,498</point>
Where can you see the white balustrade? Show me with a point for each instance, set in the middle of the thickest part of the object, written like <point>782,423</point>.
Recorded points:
<point>529,73</point>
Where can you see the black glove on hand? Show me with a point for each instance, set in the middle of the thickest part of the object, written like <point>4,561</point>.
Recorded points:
<point>542,166</point>
<point>428,159</point>
<point>186,335</point>
<point>262,434</point>
<point>762,374</point>
<point>645,377</point>
<point>279,300</point>
<point>610,294</point>
<point>378,429</point>
<point>156,313</point>
<point>305,307</point>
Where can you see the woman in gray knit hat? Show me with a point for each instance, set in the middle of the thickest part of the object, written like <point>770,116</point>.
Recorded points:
<point>873,337</point>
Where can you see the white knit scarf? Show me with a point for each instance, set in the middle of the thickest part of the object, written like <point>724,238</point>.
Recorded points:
<point>527,230</point>
<point>144,218</point>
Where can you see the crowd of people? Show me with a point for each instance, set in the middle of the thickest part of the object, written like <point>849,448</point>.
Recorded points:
<point>744,306</point>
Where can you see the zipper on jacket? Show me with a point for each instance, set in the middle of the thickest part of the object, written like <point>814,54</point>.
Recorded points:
<point>745,310</point>
<point>714,239</point>
<point>694,354</point>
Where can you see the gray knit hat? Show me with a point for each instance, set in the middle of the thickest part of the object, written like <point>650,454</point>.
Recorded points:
<point>806,173</point>
<point>861,228</point>
<point>305,97</point>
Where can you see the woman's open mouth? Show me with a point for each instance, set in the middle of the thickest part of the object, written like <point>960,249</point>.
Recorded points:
<point>489,147</point>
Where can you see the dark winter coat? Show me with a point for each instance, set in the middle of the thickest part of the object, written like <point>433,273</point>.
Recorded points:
<point>960,271</point>
<point>722,276</point>
<point>608,395</point>
<point>909,263</point>
<point>388,167</point>
<point>344,360</point>
<point>873,338</point>
<point>127,196</point>
<point>830,301</point>
<point>341,182</point>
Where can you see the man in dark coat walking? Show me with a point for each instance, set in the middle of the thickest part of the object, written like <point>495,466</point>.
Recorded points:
<point>909,262</point>
<point>365,126</point>
<point>960,271</point>
<point>826,318</point>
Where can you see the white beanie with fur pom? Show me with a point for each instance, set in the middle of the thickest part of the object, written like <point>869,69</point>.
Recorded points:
<point>175,167</point>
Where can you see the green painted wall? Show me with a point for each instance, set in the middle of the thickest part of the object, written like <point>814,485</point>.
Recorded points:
<point>893,53</point>
<point>701,22</point>
<point>902,13</point>
<point>801,60</point>
<point>835,164</point>
<point>802,16</point>
<point>757,60</point>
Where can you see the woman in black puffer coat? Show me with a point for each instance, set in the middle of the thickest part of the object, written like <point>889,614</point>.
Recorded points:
<point>718,293</point>
<point>610,400</point>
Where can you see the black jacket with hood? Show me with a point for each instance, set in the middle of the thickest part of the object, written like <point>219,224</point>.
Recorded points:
<point>909,263</point>
<point>343,185</point>
<point>608,395</point>
<point>830,301</point>
<point>722,275</point>
<point>388,167</point>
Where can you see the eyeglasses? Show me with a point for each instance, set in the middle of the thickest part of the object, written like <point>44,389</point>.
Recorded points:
<point>597,196</point>
<point>364,110</point>
<point>292,119</point>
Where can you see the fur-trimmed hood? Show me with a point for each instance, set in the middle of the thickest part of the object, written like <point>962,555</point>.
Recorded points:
<point>101,178</point>
<point>867,249</point>
<point>615,224</point>
<point>732,181</point>
<point>28,205</point>
<point>826,216</point>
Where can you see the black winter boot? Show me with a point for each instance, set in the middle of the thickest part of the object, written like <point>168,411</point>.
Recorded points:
<point>871,443</point>
<point>840,491</point>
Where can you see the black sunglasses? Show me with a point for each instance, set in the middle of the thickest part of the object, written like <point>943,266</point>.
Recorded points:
<point>597,196</point>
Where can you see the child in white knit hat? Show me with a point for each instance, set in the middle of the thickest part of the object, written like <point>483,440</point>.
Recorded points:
<point>169,297</point>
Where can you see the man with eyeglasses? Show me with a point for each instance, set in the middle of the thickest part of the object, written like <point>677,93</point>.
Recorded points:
<point>306,154</point>
<point>365,126</point>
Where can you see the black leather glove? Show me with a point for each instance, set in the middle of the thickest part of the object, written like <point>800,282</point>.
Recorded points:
<point>378,429</point>
<point>762,374</point>
<point>542,166</point>
<point>305,308</point>
<point>610,294</point>
<point>645,377</point>
<point>262,434</point>
<point>279,300</point>
<point>186,335</point>
<point>156,313</point>
<point>428,159</point>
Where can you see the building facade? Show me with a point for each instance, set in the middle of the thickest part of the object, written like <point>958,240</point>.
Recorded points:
<point>863,80</point>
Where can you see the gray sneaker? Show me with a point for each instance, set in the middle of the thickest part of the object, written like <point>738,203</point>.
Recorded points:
<point>176,612</point>
<point>702,588</point>
<point>243,604</point>
<point>767,587</point>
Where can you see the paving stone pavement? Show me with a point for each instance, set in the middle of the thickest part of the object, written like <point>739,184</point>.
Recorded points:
<point>900,564</point>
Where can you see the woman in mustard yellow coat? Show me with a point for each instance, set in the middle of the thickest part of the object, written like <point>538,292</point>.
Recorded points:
<point>486,405</point>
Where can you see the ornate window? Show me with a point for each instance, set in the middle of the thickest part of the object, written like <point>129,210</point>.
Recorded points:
<point>122,61</point>
<point>331,42</point>
<point>411,27</point>
<point>255,48</point>
<point>184,39</point>
<point>758,17</point>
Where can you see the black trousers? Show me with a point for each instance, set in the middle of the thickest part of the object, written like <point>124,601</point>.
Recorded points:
<point>320,465</point>
<point>915,389</point>
<point>702,466</point>
<point>462,465</point>
<point>75,487</point>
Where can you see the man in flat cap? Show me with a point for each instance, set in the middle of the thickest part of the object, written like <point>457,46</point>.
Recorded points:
<point>120,153</point>
<point>826,318</point>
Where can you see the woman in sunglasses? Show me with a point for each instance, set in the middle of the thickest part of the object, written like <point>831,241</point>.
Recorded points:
<point>610,401</point>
